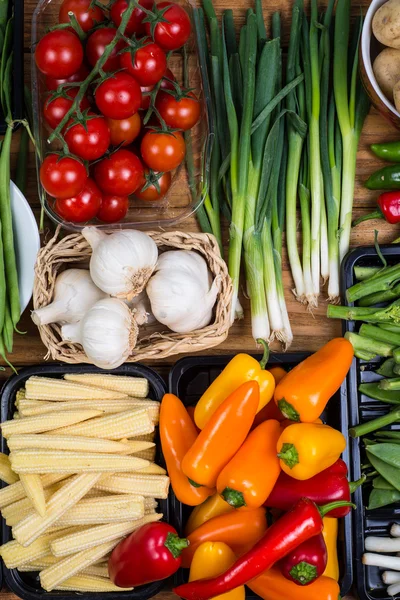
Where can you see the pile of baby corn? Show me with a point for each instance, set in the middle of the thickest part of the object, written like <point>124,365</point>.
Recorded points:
<point>81,476</point>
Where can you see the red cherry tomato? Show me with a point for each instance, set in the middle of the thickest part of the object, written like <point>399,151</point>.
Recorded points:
<point>148,65</point>
<point>119,96</point>
<point>119,173</point>
<point>165,84</point>
<point>135,23</point>
<point>174,30</point>
<point>163,151</point>
<point>146,96</point>
<point>62,177</point>
<point>80,75</point>
<point>82,207</point>
<point>86,15</point>
<point>124,131</point>
<point>96,45</point>
<point>178,114</point>
<point>90,142</point>
<point>151,180</point>
<point>113,208</point>
<point>59,53</point>
<point>55,110</point>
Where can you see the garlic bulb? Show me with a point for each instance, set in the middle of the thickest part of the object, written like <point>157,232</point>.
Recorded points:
<point>140,306</point>
<point>108,333</point>
<point>122,262</point>
<point>74,294</point>
<point>180,291</point>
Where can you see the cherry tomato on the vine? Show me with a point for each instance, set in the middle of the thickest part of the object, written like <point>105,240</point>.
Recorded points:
<point>80,75</point>
<point>86,15</point>
<point>59,53</point>
<point>96,45</point>
<point>146,97</point>
<point>119,96</point>
<point>55,110</point>
<point>180,113</point>
<point>89,142</point>
<point>113,208</point>
<point>124,131</point>
<point>172,30</point>
<point>147,65</point>
<point>82,207</point>
<point>62,176</point>
<point>135,23</point>
<point>163,151</point>
<point>155,186</point>
<point>120,173</point>
<point>166,82</point>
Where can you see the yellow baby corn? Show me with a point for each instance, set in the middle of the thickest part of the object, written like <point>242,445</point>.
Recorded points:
<point>89,583</point>
<point>28,408</point>
<point>88,538</point>
<point>145,437</point>
<point>58,390</point>
<point>133,386</point>
<point>100,569</point>
<point>34,490</point>
<point>109,509</point>
<point>32,526</point>
<point>22,506</point>
<point>42,423</point>
<point>54,461</point>
<point>147,454</point>
<point>75,443</point>
<point>112,427</point>
<point>53,576</point>
<point>15,555</point>
<point>150,486</point>
<point>150,506</point>
<point>15,492</point>
<point>152,469</point>
<point>20,394</point>
<point>6,473</point>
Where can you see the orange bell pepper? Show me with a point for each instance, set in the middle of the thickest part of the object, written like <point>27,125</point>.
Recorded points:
<point>306,449</point>
<point>240,369</point>
<point>330,533</point>
<point>272,585</point>
<point>212,559</point>
<point>240,530</point>
<point>303,394</point>
<point>210,508</point>
<point>223,435</point>
<point>248,479</point>
<point>278,373</point>
<point>178,433</point>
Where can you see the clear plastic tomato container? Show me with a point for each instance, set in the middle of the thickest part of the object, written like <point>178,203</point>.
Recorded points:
<point>189,181</point>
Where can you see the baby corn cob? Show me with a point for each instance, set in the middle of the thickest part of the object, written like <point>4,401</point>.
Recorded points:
<point>58,390</point>
<point>109,509</point>
<point>35,492</point>
<point>20,394</point>
<point>6,473</point>
<point>53,576</point>
<point>144,437</point>
<point>152,469</point>
<point>150,506</point>
<point>53,461</point>
<point>147,454</point>
<point>88,538</point>
<point>29,408</point>
<point>15,555</point>
<point>133,386</point>
<point>42,423</point>
<point>89,583</point>
<point>15,492</point>
<point>149,486</point>
<point>24,505</point>
<point>32,526</point>
<point>73,443</point>
<point>112,427</point>
<point>99,570</point>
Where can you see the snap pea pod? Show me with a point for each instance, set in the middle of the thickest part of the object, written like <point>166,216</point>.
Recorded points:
<point>388,472</point>
<point>372,390</point>
<point>386,368</point>
<point>379,498</point>
<point>380,483</point>
<point>387,452</point>
<point>389,434</point>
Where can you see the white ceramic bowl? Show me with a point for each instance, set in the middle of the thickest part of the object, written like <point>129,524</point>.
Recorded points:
<point>26,243</point>
<point>369,49</point>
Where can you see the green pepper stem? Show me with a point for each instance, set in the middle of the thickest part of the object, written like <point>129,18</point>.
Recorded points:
<point>194,484</point>
<point>175,544</point>
<point>324,510</point>
<point>376,214</point>
<point>264,360</point>
<point>304,573</point>
<point>353,485</point>
<point>289,455</point>
<point>233,497</point>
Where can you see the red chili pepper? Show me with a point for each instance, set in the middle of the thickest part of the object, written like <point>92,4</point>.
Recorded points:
<point>149,554</point>
<point>307,562</point>
<point>330,485</point>
<point>301,523</point>
<point>388,209</point>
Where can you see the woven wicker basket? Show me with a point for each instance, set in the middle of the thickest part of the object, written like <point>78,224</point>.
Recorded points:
<point>154,342</point>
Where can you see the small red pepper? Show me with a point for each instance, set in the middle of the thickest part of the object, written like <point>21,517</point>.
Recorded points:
<point>301,523</point>
<point>150,553</point>
<point>307,562</point>
<point>331,485</point>
<point>388,209</point>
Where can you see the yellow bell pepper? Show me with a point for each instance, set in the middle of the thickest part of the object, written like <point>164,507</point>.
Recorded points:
<point>212,559</point>
<point>330,533</point>
<point>210,508</point>
<point>239,370</point>
<point>306,449</point>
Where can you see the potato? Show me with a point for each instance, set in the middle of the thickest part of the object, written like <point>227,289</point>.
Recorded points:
<point>396,96</point>
<point>386,24</point>
<point>386,68</point>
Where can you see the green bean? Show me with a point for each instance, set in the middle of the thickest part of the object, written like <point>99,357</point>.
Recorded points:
<point>8,329</point>
<point>22,161</point>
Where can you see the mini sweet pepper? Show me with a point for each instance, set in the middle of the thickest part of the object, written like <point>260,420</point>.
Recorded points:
<point>211,559</point>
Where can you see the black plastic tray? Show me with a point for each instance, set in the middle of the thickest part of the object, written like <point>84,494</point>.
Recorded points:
<point>27,585</point>
<point>190,377</point>
<point>361,409</point>
<point>18,65</point>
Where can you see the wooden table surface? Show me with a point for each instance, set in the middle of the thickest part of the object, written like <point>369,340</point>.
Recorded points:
<point>310,330</point>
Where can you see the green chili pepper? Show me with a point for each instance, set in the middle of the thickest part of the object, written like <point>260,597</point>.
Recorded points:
<point>372,390</point>
<point>389,151</point>
<point>387,178</point>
